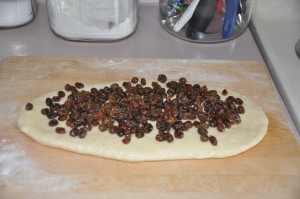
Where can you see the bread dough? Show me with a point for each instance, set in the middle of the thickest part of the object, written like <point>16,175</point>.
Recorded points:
<point>235,140</point>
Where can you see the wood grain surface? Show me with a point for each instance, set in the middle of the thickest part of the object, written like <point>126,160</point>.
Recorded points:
<point>30,170</point>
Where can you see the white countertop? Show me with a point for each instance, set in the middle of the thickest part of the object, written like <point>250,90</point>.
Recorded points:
<point>276,26</point>
<point>149,41</point>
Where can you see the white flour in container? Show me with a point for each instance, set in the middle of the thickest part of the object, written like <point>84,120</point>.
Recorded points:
<point>93,19</point>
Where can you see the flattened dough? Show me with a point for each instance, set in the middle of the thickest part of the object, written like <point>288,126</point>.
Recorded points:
<point>235,140</point>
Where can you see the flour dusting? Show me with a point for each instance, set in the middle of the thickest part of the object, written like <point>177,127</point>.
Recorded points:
<point>10,119</point>
<point>152,68</point>
<point>14,162</point>
<point>98,63</point>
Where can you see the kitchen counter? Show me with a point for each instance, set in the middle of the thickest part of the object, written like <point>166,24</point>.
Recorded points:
<point>149,41</point>
<point>31,170</point>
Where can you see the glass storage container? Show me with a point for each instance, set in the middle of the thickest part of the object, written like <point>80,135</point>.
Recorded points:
<point>93,20</point>
<point>14,13</point>
<point>205,21</point>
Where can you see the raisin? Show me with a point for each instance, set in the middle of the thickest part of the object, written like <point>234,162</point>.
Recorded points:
<point>29,106</point>
<point>224,92</point>
<point>213,140</point>
<point>126,140</point>
<point>162,78</point>
<point>134,80</point>
<point>79,85</point>
<point>61,94</point>
<point>60,130</point>
<point>179,134</point>
<point>143,82</point>
<point>53,122</point>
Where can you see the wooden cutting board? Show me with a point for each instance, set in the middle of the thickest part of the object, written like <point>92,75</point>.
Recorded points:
<point>30,170</point>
